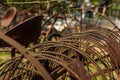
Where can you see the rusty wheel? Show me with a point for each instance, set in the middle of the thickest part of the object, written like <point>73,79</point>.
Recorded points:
<point>9,68</point>
<point>68,22</point>
<point>96,52</point>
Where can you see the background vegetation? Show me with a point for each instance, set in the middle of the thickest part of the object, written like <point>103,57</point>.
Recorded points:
<point>45,4</point>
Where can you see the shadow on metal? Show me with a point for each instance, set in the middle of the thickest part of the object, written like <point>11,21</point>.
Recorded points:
<point>25,32</point>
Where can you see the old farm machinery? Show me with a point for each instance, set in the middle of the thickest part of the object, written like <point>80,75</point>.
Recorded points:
<point>87,54</point>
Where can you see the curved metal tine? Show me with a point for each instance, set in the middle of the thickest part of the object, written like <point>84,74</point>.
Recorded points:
<point>81,20</point>
<point>99,17</point>
<point>52,27</point>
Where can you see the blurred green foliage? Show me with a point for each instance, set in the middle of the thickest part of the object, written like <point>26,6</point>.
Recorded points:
<point>64,4</point>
